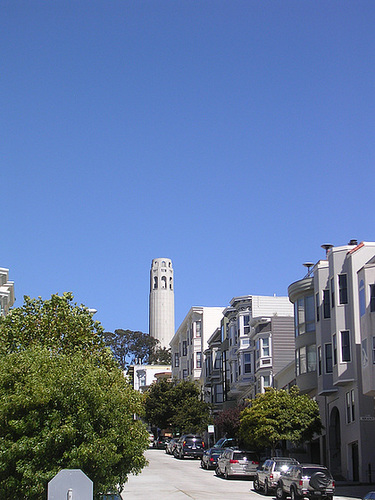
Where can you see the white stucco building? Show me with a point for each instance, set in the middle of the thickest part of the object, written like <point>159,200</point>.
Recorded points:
<point>161,308</point>
<point>6,292</point>
<point>142,376</point>
<point>190,341</point>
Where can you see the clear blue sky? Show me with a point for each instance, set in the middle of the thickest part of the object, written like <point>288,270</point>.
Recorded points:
<point>234,137</point>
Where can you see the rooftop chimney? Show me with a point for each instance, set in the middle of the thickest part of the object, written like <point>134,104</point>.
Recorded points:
<point>353,242</point>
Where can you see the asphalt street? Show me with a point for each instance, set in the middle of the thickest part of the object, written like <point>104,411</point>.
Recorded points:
<point>169,478</point>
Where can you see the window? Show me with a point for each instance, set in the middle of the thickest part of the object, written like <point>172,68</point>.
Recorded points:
<point>198,328</point>
<point>350,407</point>
<point>163,282</point>
<point>246,324</point>
<point>199,360</point>
<point>247,362</point>
<point>266,382</point>
<point>176,360</point>
<point>334,348</point>
<point>372,298</point>
<point>311,358</point>
<point>319,360</point>
<point>345,346</point>
<point>184,374</point>
<point>219,393</point>
<point>362,298</point>
<point>265,348</point>
<point>302,367</point>
<point>364,353</point>
<point>328,358</point>
<point>171,283</point>
<point>326,305</point>
<point>317,307</point>
<point>343,288</point>
<point>184,347</point>
<point>155,282</point>
<point>332,292</point>
<point>304,315</point>
<point>217,365</point>
<point>208,364</point>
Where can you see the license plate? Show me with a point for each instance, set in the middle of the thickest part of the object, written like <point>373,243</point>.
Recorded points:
<point>317,493</point>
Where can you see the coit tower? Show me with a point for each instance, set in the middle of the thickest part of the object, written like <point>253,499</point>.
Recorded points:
<point>162,301</point>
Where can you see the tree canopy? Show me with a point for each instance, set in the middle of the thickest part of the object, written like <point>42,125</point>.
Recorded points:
<point>58,324</point>
<point>177,406</point>
<point>278,415</point>
<point>64,402</point>
<point>63,412</point>
<point>130,347</point>
<point>227,422</point>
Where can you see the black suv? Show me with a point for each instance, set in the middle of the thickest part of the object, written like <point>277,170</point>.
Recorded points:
<point>306,481</point>
<point>189,445</point>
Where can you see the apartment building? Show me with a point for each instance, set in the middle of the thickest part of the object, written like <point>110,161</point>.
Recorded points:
<point>334,339</point>
<point>259,342</point>
<point>142,376</point>
<point>7,298</point>
<point>190,341</point>
<point>254,341</point>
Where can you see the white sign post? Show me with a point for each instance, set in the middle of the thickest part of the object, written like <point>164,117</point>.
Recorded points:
<point>70,484</point>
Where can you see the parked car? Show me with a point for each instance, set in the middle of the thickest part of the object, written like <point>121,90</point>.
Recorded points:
<point>151,439</point>
<point>189,445</point>
<point>170,446</point>
<point>268,475</point>
<point>226,443</point>
<point>305,480</point>
<point>161,442</point>
<point>233,462</point>
<point>369,496</point>
<point>210,456</point>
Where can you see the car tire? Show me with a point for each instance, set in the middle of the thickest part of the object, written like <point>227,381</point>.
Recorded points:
<point>266,488</point>
<point>226,475</point>
<point>294,495</point>
<point>217,472</point>
<point>280,494</point>
<point>256,484</point>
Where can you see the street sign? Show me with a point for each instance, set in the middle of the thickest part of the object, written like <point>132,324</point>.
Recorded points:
<point>70,484</point>
<point>211,429</point>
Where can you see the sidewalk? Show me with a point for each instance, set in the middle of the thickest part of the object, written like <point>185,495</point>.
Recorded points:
<point>352,490</point>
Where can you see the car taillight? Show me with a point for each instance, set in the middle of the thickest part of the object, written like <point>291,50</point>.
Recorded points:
<point>233,461</point>
<point>183,444</point>
<point>333,484</point>
<point>300,482</point>
<point>257,463</point>
<point>211,459</point>
<point>271,475</point>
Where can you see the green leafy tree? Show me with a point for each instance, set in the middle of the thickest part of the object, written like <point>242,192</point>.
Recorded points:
<point>64,402</point>
<point>63,411</point>
<point>278,415</point>
<point>58,324</point>
<point>177,406</point>
<point>131,347</point>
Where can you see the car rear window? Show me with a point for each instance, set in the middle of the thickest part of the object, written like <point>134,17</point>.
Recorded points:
<point>309,471</point>
<point>240,455</point>
<point>282,466</point>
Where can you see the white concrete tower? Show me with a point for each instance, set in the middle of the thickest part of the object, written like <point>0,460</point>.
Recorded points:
<point>162,301</point>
